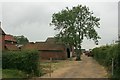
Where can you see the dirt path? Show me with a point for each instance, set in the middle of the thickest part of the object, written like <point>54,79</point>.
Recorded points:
<point>87,68</point>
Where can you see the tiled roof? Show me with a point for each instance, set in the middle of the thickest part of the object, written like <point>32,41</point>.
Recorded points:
<point>43,46</point>
<point>50,40</point>
<point>48,45</point>
<point>29,46</point>
<point>10,38</point>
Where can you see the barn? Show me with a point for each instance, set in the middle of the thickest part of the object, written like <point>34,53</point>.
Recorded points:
<point>10,43</point>
<point>50,49</point>
<point>2,38</point>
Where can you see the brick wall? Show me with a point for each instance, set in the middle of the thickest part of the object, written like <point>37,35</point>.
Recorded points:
<point>47,51</point>
<point>29,46</point>
<point>53,54</point>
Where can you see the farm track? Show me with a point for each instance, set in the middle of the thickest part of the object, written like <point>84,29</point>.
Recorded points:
<point>87,68</point>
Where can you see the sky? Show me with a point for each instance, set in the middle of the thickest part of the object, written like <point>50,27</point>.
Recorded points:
<point>32,19</point>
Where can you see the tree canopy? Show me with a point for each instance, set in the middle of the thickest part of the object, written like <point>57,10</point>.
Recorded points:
<point>21,39</point>
<point>74,25</point>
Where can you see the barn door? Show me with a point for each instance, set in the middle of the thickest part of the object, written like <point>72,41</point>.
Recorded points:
<point>68,53</point>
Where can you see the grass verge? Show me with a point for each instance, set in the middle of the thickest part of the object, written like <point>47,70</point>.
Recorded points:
<point>9,73</point>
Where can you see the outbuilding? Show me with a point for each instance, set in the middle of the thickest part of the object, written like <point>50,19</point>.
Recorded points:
<point>51,49</point>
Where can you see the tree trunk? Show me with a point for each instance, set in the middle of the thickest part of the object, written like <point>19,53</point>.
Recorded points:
<point>78,57</point>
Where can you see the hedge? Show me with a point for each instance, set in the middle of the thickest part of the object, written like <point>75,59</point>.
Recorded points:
<point>22,60</point>
<point>104,55</point>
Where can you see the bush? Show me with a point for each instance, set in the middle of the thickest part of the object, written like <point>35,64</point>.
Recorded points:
<point>21,60</point>
<point>104,55</point>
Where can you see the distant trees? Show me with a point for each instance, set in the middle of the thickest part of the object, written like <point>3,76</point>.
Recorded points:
<point>74,25</point>
<point>21,39</point>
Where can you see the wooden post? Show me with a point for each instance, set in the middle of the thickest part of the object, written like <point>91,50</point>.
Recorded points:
<point>39,67</point>
<point>50,66</point>
<point>112,66</point>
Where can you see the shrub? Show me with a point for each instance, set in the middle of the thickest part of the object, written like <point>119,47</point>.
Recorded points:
<point>21,60</point>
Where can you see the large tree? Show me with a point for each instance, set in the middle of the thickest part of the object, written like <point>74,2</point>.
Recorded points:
<point>74,25</point>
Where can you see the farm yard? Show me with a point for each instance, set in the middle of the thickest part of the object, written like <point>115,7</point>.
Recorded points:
<point>87,68</point>
<point>97,66</point>
<point>47,41</point>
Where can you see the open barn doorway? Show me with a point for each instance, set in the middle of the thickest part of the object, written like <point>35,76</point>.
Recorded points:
<point>68,53</point>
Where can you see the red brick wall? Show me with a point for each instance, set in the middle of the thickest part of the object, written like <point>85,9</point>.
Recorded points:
<point>58,52</point>
<point>52,54</point>
<point>29,47</point>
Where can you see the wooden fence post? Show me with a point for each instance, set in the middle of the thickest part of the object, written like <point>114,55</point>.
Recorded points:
<point>50,66</point>
<point>112,66</point>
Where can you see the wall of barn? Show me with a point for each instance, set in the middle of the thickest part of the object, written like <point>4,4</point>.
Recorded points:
<point>55,55</point>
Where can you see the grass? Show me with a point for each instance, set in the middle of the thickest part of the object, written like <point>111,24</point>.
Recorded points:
<point>0,73</point>
<point>9,73</point>
<point>12,73</point>
<point>53,65</point>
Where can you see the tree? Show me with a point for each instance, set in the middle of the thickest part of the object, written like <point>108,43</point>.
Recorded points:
<point>21,39</point>
<point>74,25</point>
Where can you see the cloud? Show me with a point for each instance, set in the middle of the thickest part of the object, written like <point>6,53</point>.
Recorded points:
<point>32,19</point>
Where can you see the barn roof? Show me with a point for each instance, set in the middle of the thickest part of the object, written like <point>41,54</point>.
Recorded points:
<point>43,46</point>
<point>48,46</point>
<point>50,40</point>
<point>9,38</point>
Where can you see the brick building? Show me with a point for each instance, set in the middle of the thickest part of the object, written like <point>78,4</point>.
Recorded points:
<point>2,38</point>
<point>50,49</point>
<point>7,42</point>
<point>10,43</point>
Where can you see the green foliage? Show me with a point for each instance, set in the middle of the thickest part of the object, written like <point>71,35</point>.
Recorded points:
<point>75,24</point>
<point>104,55</point>
<point>22,60</point>
<point>21,39</point>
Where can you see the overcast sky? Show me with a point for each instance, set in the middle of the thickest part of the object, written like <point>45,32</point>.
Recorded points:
<point>32,19</point>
